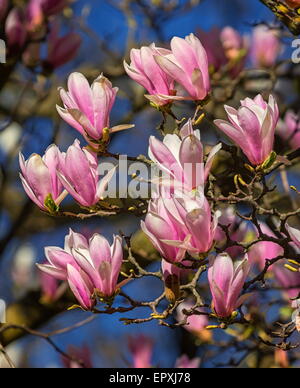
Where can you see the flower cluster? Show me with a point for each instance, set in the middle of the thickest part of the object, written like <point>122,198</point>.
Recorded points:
<point>158,69</point>
<point>91,268</point>
<point>182,221</point>
<point>45,178</point>
<point>28,27</point>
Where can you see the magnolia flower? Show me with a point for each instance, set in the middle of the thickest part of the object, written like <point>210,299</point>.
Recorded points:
<point>146,72</point>
<point>58,259</point>
<point>287,279</point>
<point>87,108</point>
<point>238,231</point>
<point>226,282</point>
<point>34,15</point>
<point>296,315</point>
<point>228,218</point>
<point>15,29</point>
<point>61,49</point>
<point>78,172</point>
<point>196,324</point>
<point>182,158</point>
<point>39,178</point>
<point>265,47</point>
<point>141,349</point>
<point>252,127</point>
<point>100,267</point>
<point>91,267</point>
<point>289,129</point>
<point>224,47</point>
<point>281,359</point>
<point>213,45</point>
<point>233,43</point>
<point>264,250</point>
<point>294,234</point>
<point>179,225</point>
<point>51,290</point>
<point>82,358</point>
<point>188,65</point>
<point>169,269</point>
<point>185,363</point>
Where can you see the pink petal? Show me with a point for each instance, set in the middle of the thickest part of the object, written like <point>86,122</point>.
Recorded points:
<point>79,288</point>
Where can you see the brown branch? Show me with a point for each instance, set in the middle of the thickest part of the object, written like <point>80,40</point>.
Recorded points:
<point>286,15</point>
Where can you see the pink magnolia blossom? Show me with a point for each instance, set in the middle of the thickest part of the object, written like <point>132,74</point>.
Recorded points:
<point>34,15</point>
<point>179,225</point>
<point>184,362</point>
<point>252,127</point>
<point>265,47</point>
<point>87,108</point>
<point>228,218</point>
<point>188,65</point>
<point>90,267</point>
<point>196,324</point>
<point>296,319</point>
<point>214,48</point>
<point>15,29</point>
<point>82,358</point>
<point>294,234</point>
<point>238,232</point>
<point>182,157</point>
<point>239,235</point>
<point>39,178</point>
<point>233,43</point>
<point>141,349</point>
<point>50,288</point>
<point>101,263</point>
<point>146,72</point>
<point>281,358</point>
<point>288,280</point>
<point>61,49</point>
<point>78,173</point>
<point>58,259</point>
<point>289,129</point>
<point>296,314</point>
<point>265,250</point>
<point>224,47</point>
<point>226,281</point>
<point>169,269</point>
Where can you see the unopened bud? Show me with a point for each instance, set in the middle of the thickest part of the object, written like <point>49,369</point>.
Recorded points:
<point>172,288</point>
<point>106,135</point>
